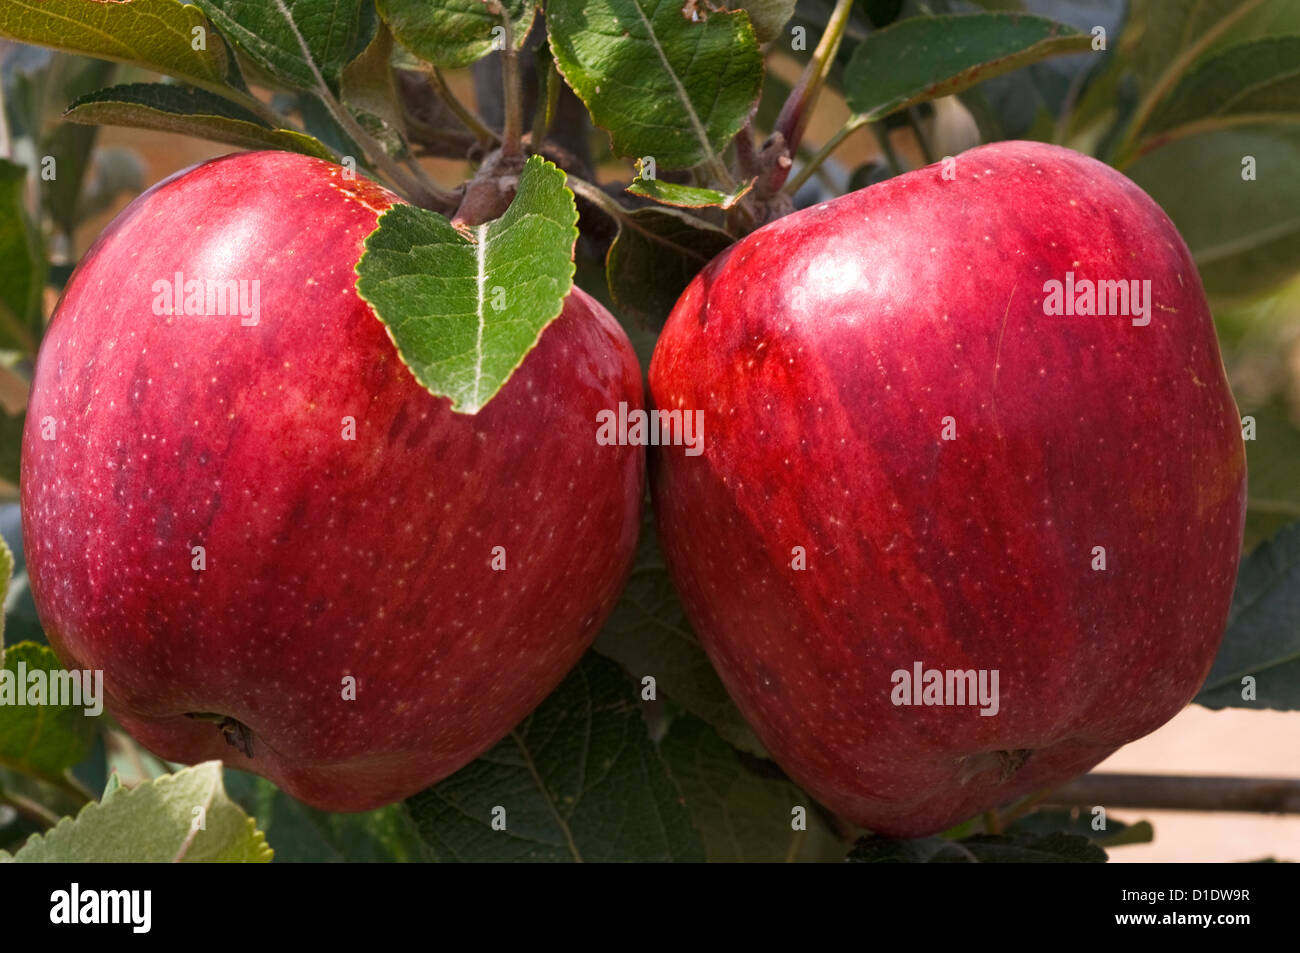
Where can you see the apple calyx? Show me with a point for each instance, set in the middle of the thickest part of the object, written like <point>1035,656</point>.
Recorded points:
<point>237,734</point>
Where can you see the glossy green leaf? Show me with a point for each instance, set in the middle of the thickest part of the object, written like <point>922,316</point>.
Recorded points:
<point>183,817</point>
<point>924,58</point>
<point>464,310</point>
<point>292,40</point>
<point>662,84</point>
<point>165,107</point>
<point>453,33</point>
<point>686,196</point>
<point>578,779</point>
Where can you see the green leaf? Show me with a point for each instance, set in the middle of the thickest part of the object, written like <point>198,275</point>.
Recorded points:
<point>687,196</point>
<point>304,834</point>
<point>156,822</point>
<point>21,623</point>
<point>71,145</point>
<point>1264,19</point>
<point>741,815</point>
<point>41,739</point>
<point>1119,834</point>
<point>321,125</point>
<point>465,311</point>
<point>578,779</point>
<point>26,75</point>
<point>1273,499</point>
<point>654,257</point>
<point>290,39</point>
<point>767,17</point>
<point>369,91</point>
<point>113,786</point>
<point>661,84</point>
<point>980,849</point>
<point>1263,635</point>
<point>453,33</point>
<point>1068,821</point>
<point>1170,35</point>
<point>190,112</point>
<point>1254,81</point>
<point>1243,234</point>
<point>22,264</point>
<point>924,58</point>
<point>154,34</point>
<point>648,634</point>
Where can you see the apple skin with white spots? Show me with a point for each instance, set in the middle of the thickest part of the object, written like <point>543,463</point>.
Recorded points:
<point>326,558</point>
<point>825,351</point>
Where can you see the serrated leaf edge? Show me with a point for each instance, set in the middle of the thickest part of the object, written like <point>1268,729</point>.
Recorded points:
<point>124,793</point>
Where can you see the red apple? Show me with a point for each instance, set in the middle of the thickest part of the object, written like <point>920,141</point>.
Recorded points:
<point>327,559</point>
<point>881,386</point>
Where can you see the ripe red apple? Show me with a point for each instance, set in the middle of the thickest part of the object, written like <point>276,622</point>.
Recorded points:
<point>881,387</point>
<point>327,559</point>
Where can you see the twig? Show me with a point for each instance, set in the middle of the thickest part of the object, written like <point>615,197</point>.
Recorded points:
<point>36,813</point>
<point>806,171</point>
<point>798,106</point>
<point>1181,793</point>
<point>598,197</point>
<point>1174,72</point>
<point>418,187</point>
<point>512,93</point>
<point>71,786</point>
